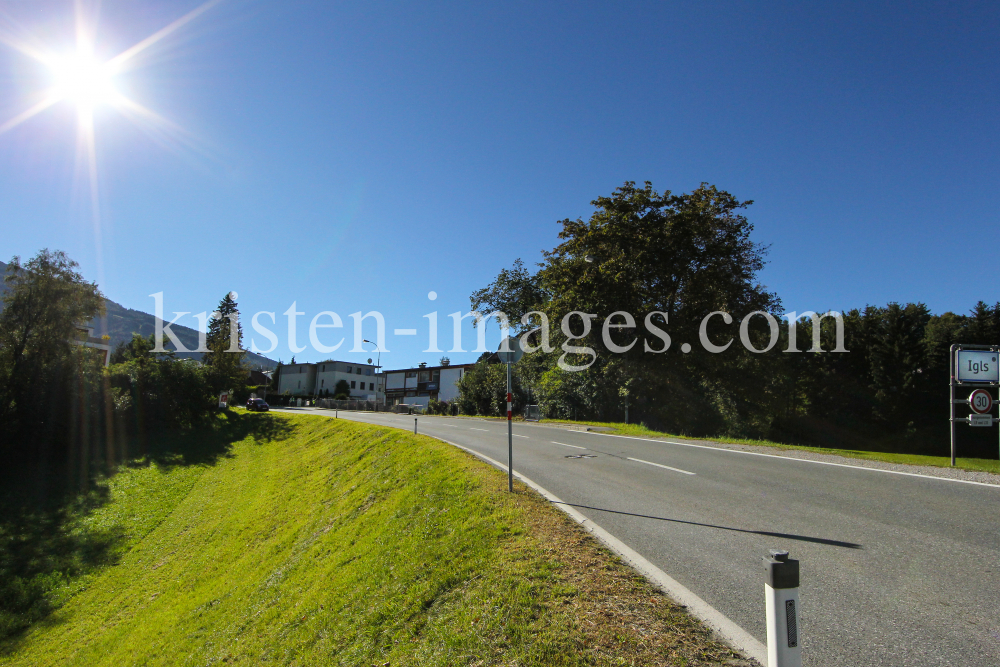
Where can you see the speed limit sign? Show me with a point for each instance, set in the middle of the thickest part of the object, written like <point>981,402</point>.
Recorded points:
<point>981,401</point>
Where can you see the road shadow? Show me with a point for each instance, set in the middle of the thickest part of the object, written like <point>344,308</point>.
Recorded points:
<point>787,536</point>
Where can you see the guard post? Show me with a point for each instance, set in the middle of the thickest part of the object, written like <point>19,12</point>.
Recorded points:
<point>781,604</point>
<point>977,367</point>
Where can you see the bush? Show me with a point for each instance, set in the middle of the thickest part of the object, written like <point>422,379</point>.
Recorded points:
<point>435,407</point>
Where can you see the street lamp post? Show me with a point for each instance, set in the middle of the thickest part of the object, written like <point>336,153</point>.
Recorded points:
<point>378,369</point>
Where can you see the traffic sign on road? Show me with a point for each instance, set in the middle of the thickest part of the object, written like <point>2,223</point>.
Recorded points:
<point>981,401</point>
<point>980,420</point>
<point>977,366</point>
<point>513,351</point>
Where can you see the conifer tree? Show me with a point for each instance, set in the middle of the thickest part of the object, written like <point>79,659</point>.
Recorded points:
<point>224,341</point>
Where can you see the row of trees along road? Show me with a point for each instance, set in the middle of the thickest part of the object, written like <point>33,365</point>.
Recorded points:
<point>61,409</point>
<point>686,256</point>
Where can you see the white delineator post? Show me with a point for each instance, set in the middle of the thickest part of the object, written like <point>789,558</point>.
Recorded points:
<point>781,602</point>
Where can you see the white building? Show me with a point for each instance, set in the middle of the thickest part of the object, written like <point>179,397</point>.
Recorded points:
<point>297,379</point>
<point>320,379</point>
<point>419,386</point>
<point>85,338</point>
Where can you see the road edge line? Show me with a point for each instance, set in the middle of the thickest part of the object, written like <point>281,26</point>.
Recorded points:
<point>726,629</point>
<point>793,458</point>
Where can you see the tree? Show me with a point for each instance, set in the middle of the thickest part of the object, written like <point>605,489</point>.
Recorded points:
<point>139,348</point>
<point>513,292</point>
<point>342,389</point>
<point>225,346</point>
<point>483,390</point>
<point>47,301</point>
<point>683,255</point>
<point>275,383</point>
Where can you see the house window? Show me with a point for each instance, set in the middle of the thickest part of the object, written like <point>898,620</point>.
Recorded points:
<point>435,375</point>
<point>300,385</point>
<point>358,370</point>
<point>348,369</point>
<point>424,376</point>
<point>371,386</point>
<point>352,384</point>
<point>411,374</point>
<point>322,383</point>
<point>324,368</point>
<point>368,371</point>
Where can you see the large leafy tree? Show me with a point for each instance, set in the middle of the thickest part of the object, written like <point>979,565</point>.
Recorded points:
<point>683,256</point>
<point>514,292</point>
<point>641,251</point>
<point>46,302</point>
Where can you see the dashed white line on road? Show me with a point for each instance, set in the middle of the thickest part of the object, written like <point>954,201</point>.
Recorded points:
<point>479,429</point>
<point>659,465</point>
<point>520,436</point>
<point>565,445</point>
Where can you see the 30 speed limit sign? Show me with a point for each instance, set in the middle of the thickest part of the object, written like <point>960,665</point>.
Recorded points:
<point>981,401</point>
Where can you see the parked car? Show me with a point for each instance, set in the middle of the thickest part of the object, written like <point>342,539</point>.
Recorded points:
<point>257,405</point>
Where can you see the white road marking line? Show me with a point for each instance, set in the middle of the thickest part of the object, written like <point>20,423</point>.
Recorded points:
<point>565,445</point>
<point>520,436</point>
<point>659,465</point>
<point>479,429</point>
<point>792,458</point>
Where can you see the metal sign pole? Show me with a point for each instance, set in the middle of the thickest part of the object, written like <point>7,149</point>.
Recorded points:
<point>510,437</point>
<point>951,397</point>
<point>980,401</point>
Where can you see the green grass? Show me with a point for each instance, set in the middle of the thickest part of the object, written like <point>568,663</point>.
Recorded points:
<point>313,541</point>
<point>982,465</point>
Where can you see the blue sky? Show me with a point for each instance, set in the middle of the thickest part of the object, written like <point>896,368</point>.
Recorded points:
<point>355,156</point>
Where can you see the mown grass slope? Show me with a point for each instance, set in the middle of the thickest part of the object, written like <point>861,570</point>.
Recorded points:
<point>336,543</point>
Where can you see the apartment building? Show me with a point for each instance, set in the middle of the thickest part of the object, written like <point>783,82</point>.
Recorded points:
<point>320,379</point>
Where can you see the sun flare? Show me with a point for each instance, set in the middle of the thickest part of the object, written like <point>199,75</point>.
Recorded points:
<point>83,80</point>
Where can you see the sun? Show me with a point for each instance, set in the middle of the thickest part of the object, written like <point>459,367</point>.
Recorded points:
<point>78,77</point>
<point>84,81</point>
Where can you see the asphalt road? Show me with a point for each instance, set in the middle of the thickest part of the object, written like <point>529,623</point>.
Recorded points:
<point>896,570</point>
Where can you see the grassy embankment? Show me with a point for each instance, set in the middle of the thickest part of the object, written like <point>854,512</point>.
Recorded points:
<point>300,540</point>
<point>618,428</point>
